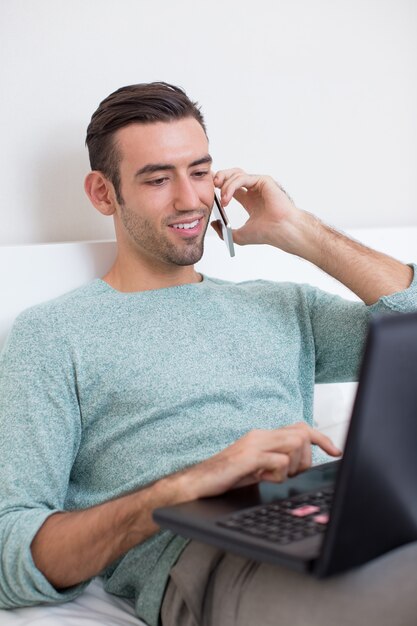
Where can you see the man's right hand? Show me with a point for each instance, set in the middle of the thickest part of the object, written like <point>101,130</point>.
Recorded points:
<point>271,455</point>
<point>73,546</point>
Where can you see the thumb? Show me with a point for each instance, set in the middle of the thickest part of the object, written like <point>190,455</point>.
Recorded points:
<point>240,237</point>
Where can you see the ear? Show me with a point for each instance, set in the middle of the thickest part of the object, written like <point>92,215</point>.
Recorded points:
<point>101,192</point>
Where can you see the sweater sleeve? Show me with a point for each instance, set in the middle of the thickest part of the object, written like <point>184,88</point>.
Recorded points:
<point>39,436</point>
<point>339,328</point>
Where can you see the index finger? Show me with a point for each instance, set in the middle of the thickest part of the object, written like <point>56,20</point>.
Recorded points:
<point>324,442</point>
<point>230,181</point>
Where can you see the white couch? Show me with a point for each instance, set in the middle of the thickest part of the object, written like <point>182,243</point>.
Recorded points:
<point>31,274</point>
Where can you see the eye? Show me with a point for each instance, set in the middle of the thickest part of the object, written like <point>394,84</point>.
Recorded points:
<point>200,173</point>
<point>157,182</point>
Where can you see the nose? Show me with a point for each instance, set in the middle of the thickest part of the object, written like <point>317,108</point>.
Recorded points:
<point>186,197</point>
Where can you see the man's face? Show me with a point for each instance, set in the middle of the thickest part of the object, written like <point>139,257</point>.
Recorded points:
<point>167,189</point>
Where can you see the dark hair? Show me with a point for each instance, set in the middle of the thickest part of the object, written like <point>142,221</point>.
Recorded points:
<point>144,103</point>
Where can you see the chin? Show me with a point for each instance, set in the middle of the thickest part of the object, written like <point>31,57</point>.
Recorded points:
<point>190,257</point>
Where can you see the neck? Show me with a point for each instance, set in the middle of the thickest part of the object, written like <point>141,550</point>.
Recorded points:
<point>129,275</point>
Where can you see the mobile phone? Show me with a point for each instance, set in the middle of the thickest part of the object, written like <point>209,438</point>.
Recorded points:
<point>221,217</point>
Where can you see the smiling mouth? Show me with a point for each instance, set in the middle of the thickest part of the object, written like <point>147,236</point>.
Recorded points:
<point>188,229</point>
<point>187,225</point>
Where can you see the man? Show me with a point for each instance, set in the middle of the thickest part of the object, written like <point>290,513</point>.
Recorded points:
<point>156,385</point>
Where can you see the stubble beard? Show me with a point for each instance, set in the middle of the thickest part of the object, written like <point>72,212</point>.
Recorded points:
<point>142,232</point>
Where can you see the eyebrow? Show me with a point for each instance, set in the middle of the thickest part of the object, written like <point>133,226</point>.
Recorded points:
<point>150,168</point>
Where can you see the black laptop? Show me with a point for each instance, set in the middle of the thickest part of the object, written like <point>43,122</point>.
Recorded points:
<point>343,513</point>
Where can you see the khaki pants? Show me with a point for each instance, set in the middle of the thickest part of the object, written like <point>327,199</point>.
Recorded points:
<point>209,587</point>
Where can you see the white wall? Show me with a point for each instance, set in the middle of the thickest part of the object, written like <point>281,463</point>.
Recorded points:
<point>322,94</point>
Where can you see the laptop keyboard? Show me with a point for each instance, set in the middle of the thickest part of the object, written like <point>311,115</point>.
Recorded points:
<point>284,521</point>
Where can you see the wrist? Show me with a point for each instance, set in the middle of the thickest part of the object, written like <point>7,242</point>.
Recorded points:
<point>298,235</point>
<point>179,487</point>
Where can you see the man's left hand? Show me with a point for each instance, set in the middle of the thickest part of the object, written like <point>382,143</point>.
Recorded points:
<point>273,216</point>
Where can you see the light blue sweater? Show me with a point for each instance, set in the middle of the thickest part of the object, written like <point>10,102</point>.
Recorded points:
<point>103,392</point>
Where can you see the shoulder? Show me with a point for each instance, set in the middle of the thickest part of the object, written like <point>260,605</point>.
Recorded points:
<point>53,318</point>
<point>66,304</point>
<point>262,287</point>
<point>265,297</point>
<point>290,297</point>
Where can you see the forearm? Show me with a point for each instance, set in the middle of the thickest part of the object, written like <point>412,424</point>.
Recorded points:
<point>72,547</point>
<point>275,220</point>
<point>366,272</point>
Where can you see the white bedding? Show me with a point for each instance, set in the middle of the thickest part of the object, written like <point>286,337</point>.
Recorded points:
<point>94,607</point>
